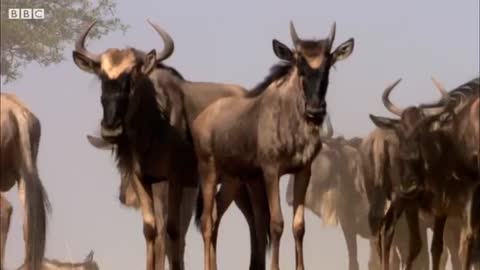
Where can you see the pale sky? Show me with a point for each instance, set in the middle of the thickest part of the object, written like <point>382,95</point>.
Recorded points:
<point>231,42</point>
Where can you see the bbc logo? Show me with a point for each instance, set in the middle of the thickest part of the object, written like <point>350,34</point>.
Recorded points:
<point>26,13</point>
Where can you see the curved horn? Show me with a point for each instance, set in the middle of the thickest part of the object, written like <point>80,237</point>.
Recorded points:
<point>331,36</point>
<point>80,44</point>
<point>168,45</point>
<point>433,108</point>
<point>440,87</point>
<point>386,100</point>
<point>293,34</point>
<point>328,125</point>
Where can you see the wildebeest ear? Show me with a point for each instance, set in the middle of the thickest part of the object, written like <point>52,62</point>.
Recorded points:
<point>282,51</point>
<point>89,257</point>
<point>384,122</point>
<point>149,62</point>
<point>85,63</point>
<point>99,143</point>
<point>344,50</point>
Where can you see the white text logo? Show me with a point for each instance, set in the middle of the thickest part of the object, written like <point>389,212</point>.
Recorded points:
<point>26,13</point>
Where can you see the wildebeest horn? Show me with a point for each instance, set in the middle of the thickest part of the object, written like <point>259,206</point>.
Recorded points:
<point>440,87</point>
<point>386,100</point>
<point>99,143</point>
<point>433,108</point>
<point>293,34</point>
<point>80,44</point>
<point>168,45</point>
<point>328,127</point>
<point>331,36</point>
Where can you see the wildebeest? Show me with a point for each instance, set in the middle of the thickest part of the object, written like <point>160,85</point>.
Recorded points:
<point>337,195</point>
<point>273,130</point>
<point>148,109</point>
<point>438,157</point>
<point>50,264</point>
<point>19,145</point>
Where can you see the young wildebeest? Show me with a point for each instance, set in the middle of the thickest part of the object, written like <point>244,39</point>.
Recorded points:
<point>19,143</point>
<point>435,154</point>
<point>48,264</point>
<point>273,130</point>
<point>336,194</point>
<point>147,111</point>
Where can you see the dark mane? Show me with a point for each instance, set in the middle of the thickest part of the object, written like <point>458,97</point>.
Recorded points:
<point>171,69</point>
<point>461,94</point>
<point>468,88</point>
<point>276,72</point>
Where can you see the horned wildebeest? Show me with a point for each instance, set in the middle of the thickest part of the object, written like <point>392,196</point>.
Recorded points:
<point>50,264</point>
<point>273,130</point>
<point>336,194</point>
<point>148,109</point>
<point>438,157</point>
<point>19,144</point>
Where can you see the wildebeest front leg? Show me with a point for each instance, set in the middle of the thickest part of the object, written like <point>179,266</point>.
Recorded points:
<point>144,194</point>
<point>452,243</point>
<point>271,177</point>
<point>160,201</point>
<point>351,241</point>
<point>208,174</point>
<point>387,232</point>
<point>437,241</point>
<point>175,193</point>
<point>414,241</point>
<point>298,225</point>
<point>5,216</point>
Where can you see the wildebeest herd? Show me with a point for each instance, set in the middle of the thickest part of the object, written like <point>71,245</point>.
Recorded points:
<point>184,146</point>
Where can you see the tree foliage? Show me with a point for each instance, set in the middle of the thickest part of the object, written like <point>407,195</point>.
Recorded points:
<point>44,41</point>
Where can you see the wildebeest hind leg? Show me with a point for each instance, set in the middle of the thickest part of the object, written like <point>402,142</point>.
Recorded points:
<point>208,174</point>
<point>5,215</point>
<point>249,200</point>
<point>437,241</point>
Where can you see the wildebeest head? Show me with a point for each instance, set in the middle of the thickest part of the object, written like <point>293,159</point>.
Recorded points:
<point>313,60</point>
<point>120,71</point>
<point>414,130</point>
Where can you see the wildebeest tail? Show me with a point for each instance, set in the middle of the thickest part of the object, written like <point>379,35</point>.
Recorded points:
<point>36,200</point>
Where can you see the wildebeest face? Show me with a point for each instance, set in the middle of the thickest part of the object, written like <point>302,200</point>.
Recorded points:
<point>410,166</point>
<point>119,70</point>
<point>313,60</point>
<point>414,131</point>
<point>114,99</point>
